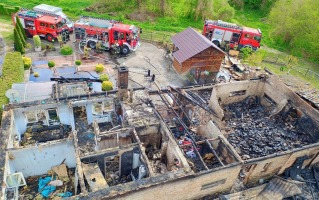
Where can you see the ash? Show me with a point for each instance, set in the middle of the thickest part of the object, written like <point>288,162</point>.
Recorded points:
<point>255,133</point>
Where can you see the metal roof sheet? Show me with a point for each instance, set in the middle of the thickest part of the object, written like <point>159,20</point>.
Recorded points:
<point>33,91</point>
<point>189,43</point>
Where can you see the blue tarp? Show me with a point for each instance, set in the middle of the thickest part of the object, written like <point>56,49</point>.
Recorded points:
<point>44,188</point>
<point>66,194</point>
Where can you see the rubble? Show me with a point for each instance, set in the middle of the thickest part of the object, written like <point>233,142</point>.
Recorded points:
<point>255,133</point>
<point>31,190</point>
<point>38,133</point>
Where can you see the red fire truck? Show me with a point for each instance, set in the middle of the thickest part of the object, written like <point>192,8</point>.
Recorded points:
<point>43,24</point>
<point>220,32</point>
<point>111,35</point>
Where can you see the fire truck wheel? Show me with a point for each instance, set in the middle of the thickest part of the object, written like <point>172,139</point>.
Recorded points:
<point>49,37</point>
<point>125,50</point>
<point>92,44</point>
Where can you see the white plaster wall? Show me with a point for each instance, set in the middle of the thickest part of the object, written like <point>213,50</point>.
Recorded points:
<point>89,114</point>
<point>64,114</point>
<point>38,160</point>
<point>20,122</point>
<point>252,88</point>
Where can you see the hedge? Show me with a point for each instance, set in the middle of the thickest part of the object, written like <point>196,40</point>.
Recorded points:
<point>12,72</point>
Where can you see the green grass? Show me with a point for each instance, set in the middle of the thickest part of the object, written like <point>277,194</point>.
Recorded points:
<point>8,36</point>
<point>161,28</point>
<point>12,72</point>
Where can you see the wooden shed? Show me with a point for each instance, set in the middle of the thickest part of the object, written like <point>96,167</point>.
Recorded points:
<point>193,53</point>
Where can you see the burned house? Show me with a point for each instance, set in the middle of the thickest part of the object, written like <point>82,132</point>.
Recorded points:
<point>150,144</point>
<point>195,54</point>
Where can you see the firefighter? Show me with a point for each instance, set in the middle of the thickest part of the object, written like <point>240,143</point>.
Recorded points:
<point>59,37</point>
<point>98,47</point>
<point>86,52</point>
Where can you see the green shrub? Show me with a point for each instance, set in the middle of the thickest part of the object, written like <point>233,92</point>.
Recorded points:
<point>28,46</point>
<point>36,74</point>
<point>37,41</point>
<point>18,23</point>
<point>12,72</point>
<point>104,77</point>
<point>66,50</point>
<point>99,68</point>
<point>18,45</point>
<point>78,62</point>
<point>27,62</point>
<point>107,85</point>
<point>8,10</point>
<point>51,64</point>
<point>247,51</point>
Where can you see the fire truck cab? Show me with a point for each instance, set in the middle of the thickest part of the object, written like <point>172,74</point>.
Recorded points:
<point>45,25</point>
<point>111,35</point>
<point>220,32</point>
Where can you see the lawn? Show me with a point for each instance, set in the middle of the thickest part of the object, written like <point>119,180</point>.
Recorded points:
<point>161,28</point>
<point>6,29</point>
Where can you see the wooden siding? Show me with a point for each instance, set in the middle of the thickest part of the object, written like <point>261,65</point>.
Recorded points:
<point>209,60</point>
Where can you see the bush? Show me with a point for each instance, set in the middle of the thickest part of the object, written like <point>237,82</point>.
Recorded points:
<point>99,68</point>
<point>104,77</point>
<point>247,51</point>
<point>27,62</point>
<point>36,74</point>
<point>51,64</point>
<point>37,41</point>
<point>18,45</point>
<point>66,50</point>
<point>78,62</point>
<point>8,10</point>
<point>12,72</point>
<point>107,85</point>
<point>18,23</point>
<point>28,46</point>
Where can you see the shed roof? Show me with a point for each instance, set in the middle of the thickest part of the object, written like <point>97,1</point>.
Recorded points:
<point>189,43</point>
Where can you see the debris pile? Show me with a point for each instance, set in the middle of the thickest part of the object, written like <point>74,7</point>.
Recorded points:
<point>157,160</point>
<point>255,133</point>
<point>57,183</point>
<point>112,173</point>
<point>38,134</point>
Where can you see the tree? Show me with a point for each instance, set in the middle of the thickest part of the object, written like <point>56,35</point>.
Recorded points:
<point>296,24</point>
<point>17,41</point>
<point>21,31</point>
<point>162,7</point>
<point>18,23</point>
<point>217,9</point>
<point>139,5</point>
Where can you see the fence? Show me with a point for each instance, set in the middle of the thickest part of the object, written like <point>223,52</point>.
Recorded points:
<point>301,70</point>
<point>158,38</point>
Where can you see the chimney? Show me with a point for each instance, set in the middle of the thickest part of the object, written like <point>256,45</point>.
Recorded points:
<point>122,79</point>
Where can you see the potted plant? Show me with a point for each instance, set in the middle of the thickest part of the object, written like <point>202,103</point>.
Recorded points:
<point>77,63</point>
<point>37,43</point>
